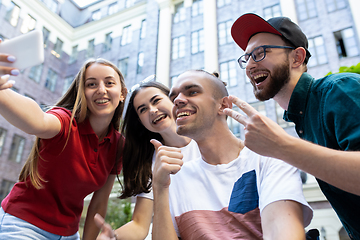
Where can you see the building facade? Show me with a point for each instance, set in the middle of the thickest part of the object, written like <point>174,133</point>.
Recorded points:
<point>167,37</point>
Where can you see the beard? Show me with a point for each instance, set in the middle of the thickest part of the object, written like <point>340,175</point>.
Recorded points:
<point>279,78</point>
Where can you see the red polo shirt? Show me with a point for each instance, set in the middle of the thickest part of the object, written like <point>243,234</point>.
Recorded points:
<point>72,173</point>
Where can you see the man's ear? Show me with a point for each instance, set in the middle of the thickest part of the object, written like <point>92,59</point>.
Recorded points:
<point>298,57</point>
<point>225,103</point>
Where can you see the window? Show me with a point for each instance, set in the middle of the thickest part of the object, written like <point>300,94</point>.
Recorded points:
<point>126,35</point>
<point>346,43</point>
<point>143,29</point>
<point>46,34</point>
<point>51,80</point>
<point>234,125</point>
<point>123,66</point>
<point>74,54</point>
<point>108,42</point>
<point>228,73</point>
<point>306,9</point>
<point>279,117</point>
<point>221,3</point>
<point>17,148</point>
<point>197,41</point>
<point>12,14</point>
<point>113,8</point>
<point>197,8</point>
<point>173,80</point>
<point>180,13</point>
<point>28,24</point>
<point>57,48</point>
<point>333,5</point>
<point>96,15</point>
<point>5,189</point>
<point>178,47</point>
<point>67,83</point>
<point>272,11</point>
<point>91,48</point>
<point>35,73</point>
<point>2,138</point>
<point>51,4</point>
<point>129,3</point>
<point>225,33</point>
<point>318,51</point>
<point>140,62</point>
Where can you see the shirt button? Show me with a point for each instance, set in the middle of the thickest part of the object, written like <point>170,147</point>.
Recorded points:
<point>301,131</point>
<point>301,112</point>
<point>95,149</point>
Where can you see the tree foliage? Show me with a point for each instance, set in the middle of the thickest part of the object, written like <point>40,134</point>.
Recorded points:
<point>353,69</point>
<point>119,212</point>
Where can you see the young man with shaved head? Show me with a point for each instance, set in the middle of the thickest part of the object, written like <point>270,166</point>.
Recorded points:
<point>230,192</point>
<point>325,111</point>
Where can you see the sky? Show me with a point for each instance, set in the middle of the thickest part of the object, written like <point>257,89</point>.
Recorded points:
<point>83,3</point>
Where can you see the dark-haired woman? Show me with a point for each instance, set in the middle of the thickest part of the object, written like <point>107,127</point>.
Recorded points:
<point>148,116</point>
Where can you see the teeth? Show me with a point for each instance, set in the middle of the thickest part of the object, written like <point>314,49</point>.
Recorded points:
<point>100,101</point>
<point>260,75</point>
<point>158,118</point>
<point>183,114</point>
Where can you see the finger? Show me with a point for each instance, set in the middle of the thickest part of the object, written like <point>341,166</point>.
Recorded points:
<point>7,85</point>
<point>244,106</point>
<point>235,115</point>
<point>104,227</point>
<point>7,58</point>
<point>156,144</point>
<point>9,70</point>
<point>99,220</point>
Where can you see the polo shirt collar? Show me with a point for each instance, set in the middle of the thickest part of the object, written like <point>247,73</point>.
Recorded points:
<point>297,103</point>
<point>86,129</point>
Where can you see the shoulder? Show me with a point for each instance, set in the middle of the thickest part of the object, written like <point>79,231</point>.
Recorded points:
<point>337,79</point>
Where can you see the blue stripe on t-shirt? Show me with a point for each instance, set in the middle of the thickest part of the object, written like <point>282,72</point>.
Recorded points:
<point>244,196</point>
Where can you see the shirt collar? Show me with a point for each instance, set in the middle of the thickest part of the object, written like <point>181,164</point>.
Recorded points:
<point>297,103</point>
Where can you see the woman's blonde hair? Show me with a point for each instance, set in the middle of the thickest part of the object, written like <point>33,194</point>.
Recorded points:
<point>75,101</point>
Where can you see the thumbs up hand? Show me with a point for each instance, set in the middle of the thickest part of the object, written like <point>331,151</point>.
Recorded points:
<point>168,161</point>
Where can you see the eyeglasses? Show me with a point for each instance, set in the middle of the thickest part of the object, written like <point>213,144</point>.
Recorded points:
<point>147,79</point>
<point>257,54</point>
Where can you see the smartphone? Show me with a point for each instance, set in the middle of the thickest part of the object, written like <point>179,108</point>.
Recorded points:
<point>28,49</point>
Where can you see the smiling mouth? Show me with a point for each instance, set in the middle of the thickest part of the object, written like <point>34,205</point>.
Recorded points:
<point>159,118</point>
<point>260,77</point>
<point>102,101</point>
<point>183,114</point>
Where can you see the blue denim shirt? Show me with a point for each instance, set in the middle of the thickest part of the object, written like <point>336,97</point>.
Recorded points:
<point>327,112</point>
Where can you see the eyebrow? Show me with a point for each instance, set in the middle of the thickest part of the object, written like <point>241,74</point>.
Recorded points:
<point>151,99</point>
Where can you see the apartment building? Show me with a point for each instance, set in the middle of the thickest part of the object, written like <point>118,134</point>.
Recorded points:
<point>167,37</point>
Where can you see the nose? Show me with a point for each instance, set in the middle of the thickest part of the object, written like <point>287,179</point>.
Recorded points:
<point>180,100</point>
<point>101,88</point>
<point>153,109</point>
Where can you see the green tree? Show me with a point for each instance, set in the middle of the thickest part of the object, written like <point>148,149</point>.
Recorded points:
<point>353,69</point>
<point>119,212</point>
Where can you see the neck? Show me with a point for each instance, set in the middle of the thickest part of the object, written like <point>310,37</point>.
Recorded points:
<point>220,147</point>
<point>100,126</point>
<point>284,95</point>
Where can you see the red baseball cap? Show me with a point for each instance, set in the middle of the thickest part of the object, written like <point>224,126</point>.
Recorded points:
<point>250,24</point>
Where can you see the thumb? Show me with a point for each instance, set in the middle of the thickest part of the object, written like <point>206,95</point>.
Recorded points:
<point>156,144</point>
<point>99,221</point>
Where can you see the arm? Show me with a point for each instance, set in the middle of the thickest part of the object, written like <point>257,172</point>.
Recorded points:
<point>98,204</point>
<point>265,137</point>
<point>138,227</point>
<point>25,114</point>
<point>168,161</point>
<point>283,220</point>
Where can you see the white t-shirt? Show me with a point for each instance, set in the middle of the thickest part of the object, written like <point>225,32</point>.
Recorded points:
<point>225,201</point>
<point>190,152</point>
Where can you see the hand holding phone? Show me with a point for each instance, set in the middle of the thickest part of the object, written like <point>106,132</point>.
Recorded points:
<point>28,49</point>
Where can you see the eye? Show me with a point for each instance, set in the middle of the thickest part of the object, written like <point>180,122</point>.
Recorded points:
<point>90,84</point>
<point>110,83</point>
<point>142,110</point>
<point>156,100</point>
<point>193,92</point>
